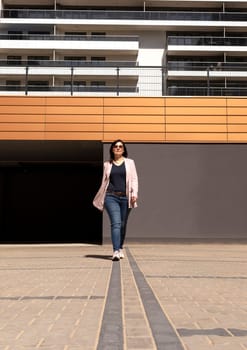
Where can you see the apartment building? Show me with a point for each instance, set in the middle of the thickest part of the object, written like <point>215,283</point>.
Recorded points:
<point>123,48</point>
<point>168,77</point>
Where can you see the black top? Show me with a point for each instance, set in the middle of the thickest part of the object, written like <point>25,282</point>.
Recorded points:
<point>117,178</point>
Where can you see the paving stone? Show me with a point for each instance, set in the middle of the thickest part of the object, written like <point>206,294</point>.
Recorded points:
<point>56,294</point>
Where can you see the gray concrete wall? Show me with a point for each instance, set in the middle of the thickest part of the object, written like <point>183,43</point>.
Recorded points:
<point>188,191</point>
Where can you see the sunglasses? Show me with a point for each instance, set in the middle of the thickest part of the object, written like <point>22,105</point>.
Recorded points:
<point>118,146</point>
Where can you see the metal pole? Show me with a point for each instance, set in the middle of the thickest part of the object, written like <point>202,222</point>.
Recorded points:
<point>117,81</point>
<point>26,82</point>
<point>208,81</point>
<point>164,80</point>
<point>72,81</point>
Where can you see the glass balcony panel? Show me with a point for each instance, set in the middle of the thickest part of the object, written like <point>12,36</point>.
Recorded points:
<point>125,15</point>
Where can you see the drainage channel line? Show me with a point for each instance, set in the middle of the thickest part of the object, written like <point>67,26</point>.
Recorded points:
<point>111,333</point>
<point>164,334</point>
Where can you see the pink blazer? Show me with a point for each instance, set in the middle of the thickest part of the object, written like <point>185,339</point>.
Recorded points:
<point>131,183</point>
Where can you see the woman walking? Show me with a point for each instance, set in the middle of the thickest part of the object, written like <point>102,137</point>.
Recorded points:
<point>118,194</point>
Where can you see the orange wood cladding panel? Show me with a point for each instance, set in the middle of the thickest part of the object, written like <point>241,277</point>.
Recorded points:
<point>141,120</point>
<point>21,118</point>
<point>75,127</point>
<point>196,102</point>
<point>195,111</point>
<point>32,110</point>
<point>195,119</point>
<point>237,111</point>
<point>237,102</point>
<point>22,127</point>
<point>135,119</point>
<point>133,110</point>
<point>13,135</point>
<point>237,137</point>
<point>196,137</point>
<point>237,128</point>
<point>79,110</point>
<point>233,119</point>
<point>196,128</point>
<point>237,119</point>
<point>73,136</point>
<point>22,101</point>
<point>133,137</point>
<point>134,102</point>
<point>134,127</point>
<point>76,101</point>
<point>74,118</point>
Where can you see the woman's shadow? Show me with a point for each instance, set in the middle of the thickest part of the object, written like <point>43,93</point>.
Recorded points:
<point>98,256</point>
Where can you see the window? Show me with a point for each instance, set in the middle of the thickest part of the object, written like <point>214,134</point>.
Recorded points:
<point>98,34</point>
<point>75,58</point>
<point>97,83</point>
<point>13,82</point>
<point>15,34</point>
<point>14,60</point>
<point>12,85</point>
<point>97,58</point>
<point>34,60</point>
<point>76,33</point>
<point>37,85</point>
<point>38,33</point>
<point>75,83</point>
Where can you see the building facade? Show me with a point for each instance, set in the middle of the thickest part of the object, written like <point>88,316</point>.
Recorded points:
<point>123,48</point>
<point>168,77</point>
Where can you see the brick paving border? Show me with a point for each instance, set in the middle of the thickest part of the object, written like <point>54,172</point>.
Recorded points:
<point>164,334</point>
<point>111,334</point>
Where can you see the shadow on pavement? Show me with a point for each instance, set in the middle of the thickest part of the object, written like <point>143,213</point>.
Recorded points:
<point>98,256</point>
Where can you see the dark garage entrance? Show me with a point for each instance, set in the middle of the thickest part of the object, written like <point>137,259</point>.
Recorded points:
<point>46,191</point>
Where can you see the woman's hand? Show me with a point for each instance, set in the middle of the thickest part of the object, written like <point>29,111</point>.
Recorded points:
<point>133,199</point>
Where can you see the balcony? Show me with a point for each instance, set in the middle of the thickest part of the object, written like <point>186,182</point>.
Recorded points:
<point>203,91</point>
<point>66,37</point>
<point>203,66</point>
<point>125,15</point>
<point>66,63</point>
<point>178,78</point>
<point>206,70</point>
<point>71,90</point>
<point>104,69</point>
<point>206,41</point>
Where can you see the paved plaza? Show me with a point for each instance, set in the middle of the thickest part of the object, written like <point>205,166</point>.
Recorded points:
<point>165,296</point>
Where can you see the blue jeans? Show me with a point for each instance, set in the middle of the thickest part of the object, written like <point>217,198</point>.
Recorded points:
<point>118,211</point>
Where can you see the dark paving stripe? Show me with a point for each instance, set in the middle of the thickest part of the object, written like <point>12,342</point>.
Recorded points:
<point>169,259</point>
<point>238,332</point>
<point>222,332</point>
<point>52,297</point>
<point>51,268</point>
<point>184,332</point>
<point>202,277</point>
<point>111,334</point>
<point>164,334</point>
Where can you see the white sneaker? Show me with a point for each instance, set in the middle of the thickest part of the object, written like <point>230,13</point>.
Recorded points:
<point>121,253</point>
<point>116,256</point>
